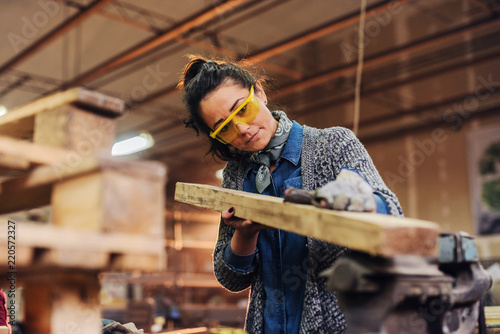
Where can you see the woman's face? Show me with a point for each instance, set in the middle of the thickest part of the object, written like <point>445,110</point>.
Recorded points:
<point>218,105</point>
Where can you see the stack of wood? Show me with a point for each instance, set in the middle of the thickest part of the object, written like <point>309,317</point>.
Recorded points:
<point>106,213</point>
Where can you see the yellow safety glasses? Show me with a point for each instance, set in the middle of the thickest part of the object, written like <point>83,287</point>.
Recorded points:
<point>244,114</point>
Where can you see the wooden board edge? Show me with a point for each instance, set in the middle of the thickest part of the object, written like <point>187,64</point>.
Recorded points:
<point>375,229</point>
<point>95,101</point>
<point>48,236</point>
<point>103,104</point>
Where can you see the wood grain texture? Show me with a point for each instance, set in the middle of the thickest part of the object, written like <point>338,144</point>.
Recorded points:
<point>110,200</point>
<point>34,153</point>
<point>49,246</point>
<point>13,162</point>
<point>376,234</point>
<point>492,314</point>
<point>35,188</point>
<point>19,122</point>
<point>74,128</point>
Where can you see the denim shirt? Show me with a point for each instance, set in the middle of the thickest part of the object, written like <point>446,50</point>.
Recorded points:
<point>284,260</point>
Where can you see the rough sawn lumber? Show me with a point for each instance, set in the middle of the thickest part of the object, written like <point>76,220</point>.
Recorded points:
<point>373,233</point>
<point>19,122</point>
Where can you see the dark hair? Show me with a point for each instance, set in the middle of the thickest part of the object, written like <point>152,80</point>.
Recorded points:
<point>201,77</point>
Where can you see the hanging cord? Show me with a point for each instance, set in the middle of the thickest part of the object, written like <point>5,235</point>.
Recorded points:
<point>359,71</point>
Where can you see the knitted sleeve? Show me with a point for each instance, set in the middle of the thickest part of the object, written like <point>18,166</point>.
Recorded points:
<point>231,279</point>
<point>338,147</point>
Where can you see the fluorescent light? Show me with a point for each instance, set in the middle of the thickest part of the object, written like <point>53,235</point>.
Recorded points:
<point>3,110</point>
<point>133,145</point>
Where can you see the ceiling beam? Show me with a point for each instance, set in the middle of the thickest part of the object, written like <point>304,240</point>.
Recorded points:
<point>377,88</point>
<point>175,146</point>
<point>162,93</point>
<point>18,83</point>
<point>55,33</point>
<point>325,29</point>
<point>290,43</point>
<point>126,20</point>
<point>350,68</point>
<point>385,122</point>
<point>425,115</point>
<point>203,45</point>
<point>388,56</point>
<point>483,7</point>
<point>391,55</point>
<point>151,44</point>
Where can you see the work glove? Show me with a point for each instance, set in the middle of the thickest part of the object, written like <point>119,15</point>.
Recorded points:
<point>349,192</point>
<point>117,328</point>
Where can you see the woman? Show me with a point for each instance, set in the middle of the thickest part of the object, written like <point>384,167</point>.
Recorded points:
<point>267,153</point>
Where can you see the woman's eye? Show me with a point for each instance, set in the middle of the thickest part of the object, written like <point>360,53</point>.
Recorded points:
<point>242,110</point>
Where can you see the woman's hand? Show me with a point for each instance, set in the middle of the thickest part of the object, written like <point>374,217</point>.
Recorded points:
<point>348,192</point>
<point>244,226</point>
<point>244,239</point>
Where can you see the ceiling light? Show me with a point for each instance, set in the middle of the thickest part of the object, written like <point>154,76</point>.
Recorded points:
<point>3,110</point>
<point>133,145</point>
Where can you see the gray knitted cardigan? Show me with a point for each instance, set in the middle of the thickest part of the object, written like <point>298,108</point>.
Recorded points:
<point>324,153</point>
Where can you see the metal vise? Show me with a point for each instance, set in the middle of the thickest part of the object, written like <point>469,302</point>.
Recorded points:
<point>410,294</point>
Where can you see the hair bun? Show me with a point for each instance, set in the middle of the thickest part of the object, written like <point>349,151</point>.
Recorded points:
<point>192,69</point>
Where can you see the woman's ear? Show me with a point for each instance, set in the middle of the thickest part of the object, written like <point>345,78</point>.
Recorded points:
<point>259,91</point>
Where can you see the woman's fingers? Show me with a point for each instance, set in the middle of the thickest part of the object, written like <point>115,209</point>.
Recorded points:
<point>227,214</point>
<point>244,225</point>
<point>231,220</point>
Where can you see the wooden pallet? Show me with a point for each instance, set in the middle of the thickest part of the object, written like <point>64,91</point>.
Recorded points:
<point>63,116</point>
<point>44,246</point>
<point>106,213</point>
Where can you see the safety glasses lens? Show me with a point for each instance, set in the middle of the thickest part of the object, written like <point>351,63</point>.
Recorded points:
<point>245,116</point>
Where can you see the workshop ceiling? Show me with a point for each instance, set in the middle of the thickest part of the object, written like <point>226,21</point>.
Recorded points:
<point>422,58</point>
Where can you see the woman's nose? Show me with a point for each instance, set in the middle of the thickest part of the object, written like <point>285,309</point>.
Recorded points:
<point>242,128</point>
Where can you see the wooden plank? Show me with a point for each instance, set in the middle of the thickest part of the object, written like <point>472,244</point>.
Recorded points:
<point>33,153</point>
<point>75,128</point>
<point>111,200</point>
<point>56,237</point>
<point>19,122</point>
<point>488,246</point>
<point>13,161</point>
<point>376,234</point>
<point>53,246</point>
<point>35,188</point>
<point>17,157</point>
<point>144,262</point>
<point>492,314</point>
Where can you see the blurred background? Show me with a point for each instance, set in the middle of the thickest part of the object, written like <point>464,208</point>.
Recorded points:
<point>429,109</point>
